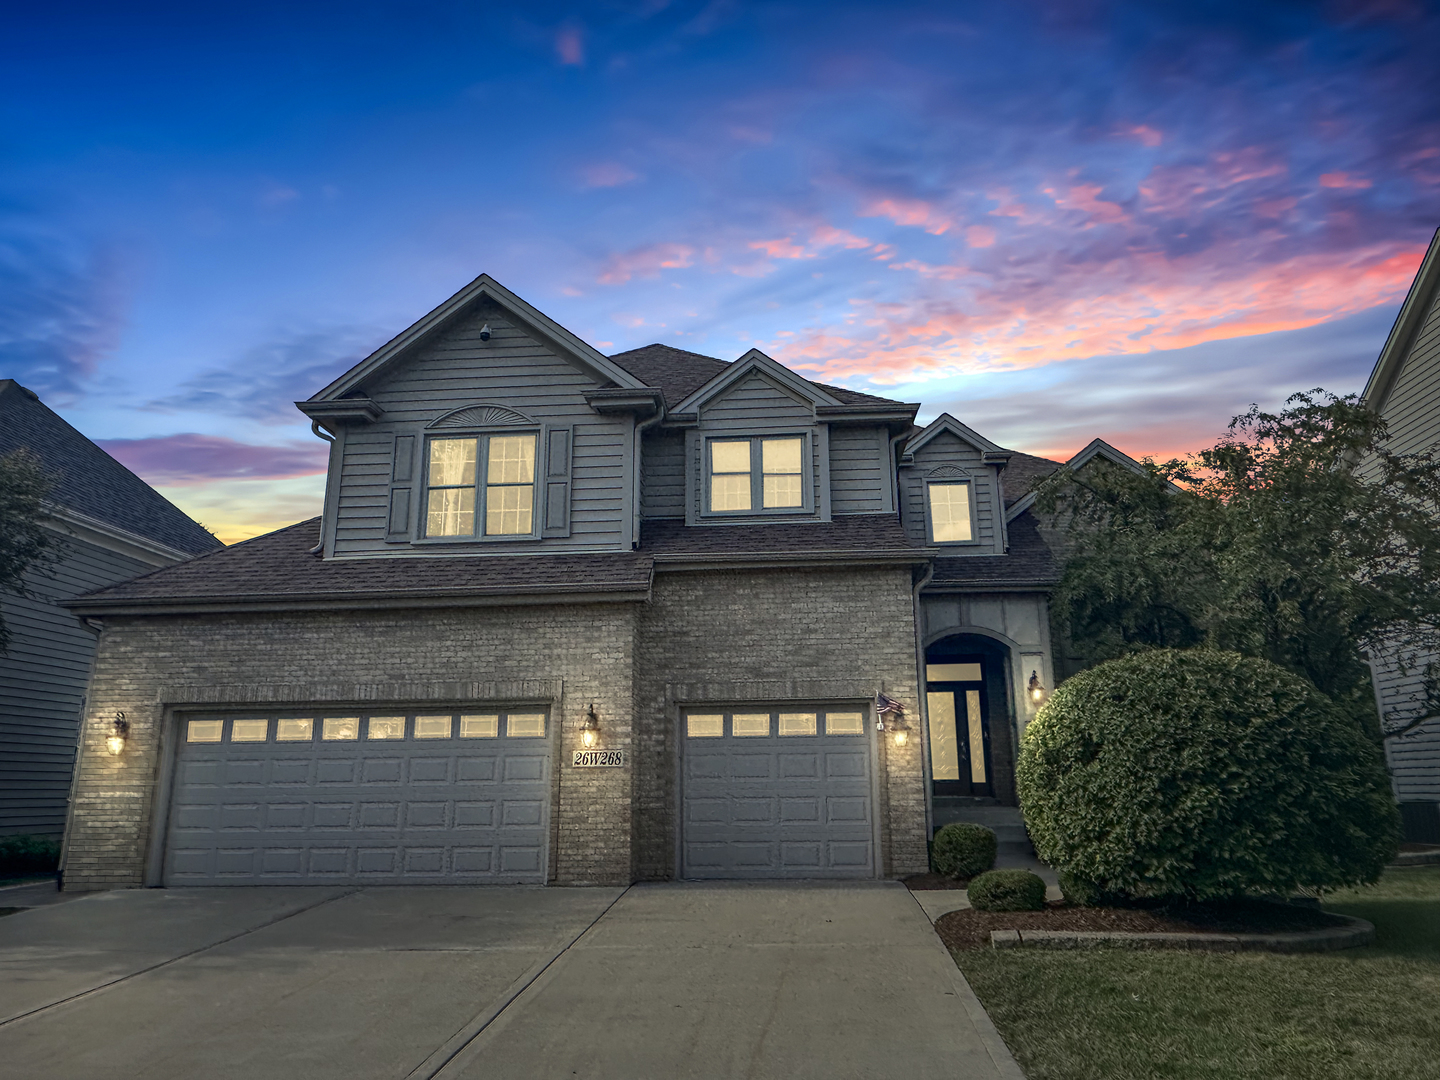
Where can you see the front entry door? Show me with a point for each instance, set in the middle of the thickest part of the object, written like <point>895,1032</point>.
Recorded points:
<point>959,727</point>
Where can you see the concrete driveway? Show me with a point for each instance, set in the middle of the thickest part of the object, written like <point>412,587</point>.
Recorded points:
<point>657,981</point>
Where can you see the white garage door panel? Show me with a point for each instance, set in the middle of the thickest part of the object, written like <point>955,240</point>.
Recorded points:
<point>405,811</point>
<point>776,806</point>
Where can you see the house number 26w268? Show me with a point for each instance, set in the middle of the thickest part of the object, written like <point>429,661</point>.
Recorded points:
<point>589,759</point>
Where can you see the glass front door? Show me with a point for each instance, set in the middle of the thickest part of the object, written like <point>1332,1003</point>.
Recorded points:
<point>959,727</point>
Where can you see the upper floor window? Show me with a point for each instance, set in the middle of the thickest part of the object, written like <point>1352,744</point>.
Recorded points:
<point>949,512</point>
<point>737,485</point>
<point>495,472</point>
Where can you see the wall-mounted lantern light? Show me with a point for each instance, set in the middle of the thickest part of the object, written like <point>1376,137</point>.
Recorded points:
<point>485,332</point>
<point>891,714</point>
<point>1037,688</point>
<point>115,741</point>
<point>901,729</point>
<point>590,729</point>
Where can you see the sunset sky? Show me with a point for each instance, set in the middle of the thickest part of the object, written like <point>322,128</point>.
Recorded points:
<point>1056,221</point>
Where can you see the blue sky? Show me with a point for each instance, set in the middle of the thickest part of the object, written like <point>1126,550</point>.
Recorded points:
<point>1057,221</point>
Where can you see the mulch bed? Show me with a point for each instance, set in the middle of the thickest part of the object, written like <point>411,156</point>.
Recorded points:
<point>970,929</point>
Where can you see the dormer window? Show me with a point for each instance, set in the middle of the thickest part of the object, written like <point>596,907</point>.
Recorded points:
<point>496,472</point>
<point>949,511</point>
<point>737,486</point>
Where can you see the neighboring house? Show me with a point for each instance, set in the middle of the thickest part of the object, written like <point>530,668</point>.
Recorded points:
<point>572,618</point>
<point>108,526</point>
<point>1404,389</point>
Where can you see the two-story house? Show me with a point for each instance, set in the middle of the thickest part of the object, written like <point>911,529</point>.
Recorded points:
<point>573,618</point>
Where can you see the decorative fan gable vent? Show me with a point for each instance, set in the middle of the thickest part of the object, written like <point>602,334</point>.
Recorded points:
<point>947,470</point>
<point>482,415</point>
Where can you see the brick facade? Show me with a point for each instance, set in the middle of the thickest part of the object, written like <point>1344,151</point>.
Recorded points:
<point>791,635</point>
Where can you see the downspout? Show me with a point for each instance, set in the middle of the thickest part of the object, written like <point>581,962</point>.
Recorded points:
<point>638,491</point>
<point>895,471</point>
<point>921,705</point>
<point>315,427</point>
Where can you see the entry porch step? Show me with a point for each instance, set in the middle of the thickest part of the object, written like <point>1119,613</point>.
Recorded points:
<point>1006,822</point>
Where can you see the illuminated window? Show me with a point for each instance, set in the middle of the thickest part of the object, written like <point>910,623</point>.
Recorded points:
<point>479,727</point>
<point>385,727</point>
<point>432,727</point>
<point>301,729</point>
<point>797,723</point>
<point>203,730</point>
<point>493,471</point>
<point>949,506</point>
<point>249,730</point>
<point>737,486</point>
<point>705,726</point>
<point>525,725</point>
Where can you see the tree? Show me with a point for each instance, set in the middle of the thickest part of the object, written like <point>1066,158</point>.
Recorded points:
<point>1271,543</point>
<point>25,545</point>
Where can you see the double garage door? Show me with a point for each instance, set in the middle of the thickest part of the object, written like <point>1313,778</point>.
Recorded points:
<point>407,797</point>
<point>776,793</point>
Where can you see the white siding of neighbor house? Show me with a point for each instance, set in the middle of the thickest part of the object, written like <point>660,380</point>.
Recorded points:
<point>42,685</point>
<point>948,450</point>
<point>1412,413</point>
<point>454,369</point>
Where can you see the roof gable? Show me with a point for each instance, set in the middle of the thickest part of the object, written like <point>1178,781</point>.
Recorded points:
<point>1408,323</point>
<point>483,287</point>
<point>757,362</point>
<point>1096,448</point>
<point>947,423</point>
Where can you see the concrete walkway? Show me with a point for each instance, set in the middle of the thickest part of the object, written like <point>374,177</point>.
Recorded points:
<point>663,981</point>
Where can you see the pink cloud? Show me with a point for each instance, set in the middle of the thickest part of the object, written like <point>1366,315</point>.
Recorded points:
<point>1344,181</point>
<point>1085,198</point>
<point>908,212</point>
<point>1181,190</point>
<point>1011,207</point>
<point>980,236</point>
<point>782,249</point>
<point>199,459</point>
<point>607,174</point>
<point>645,262</point>
<point>1134,304</point>
<point>1145,134</point>
<point>821,237</point>
<point>570,46</point>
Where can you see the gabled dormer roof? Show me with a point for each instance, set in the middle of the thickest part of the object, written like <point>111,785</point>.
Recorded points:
<point>756,362</point>
<point>1408,323</point>
<point>1097,448</point>
<point>599,366</point>
<point>945,423</point>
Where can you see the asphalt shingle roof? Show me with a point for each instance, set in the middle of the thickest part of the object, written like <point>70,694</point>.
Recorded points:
<point>677,374</point>
<point>1027,565</point>
<point>1022,474</point>
<point>88,480</point>
<point>860,534</point>
<point>278,567</point>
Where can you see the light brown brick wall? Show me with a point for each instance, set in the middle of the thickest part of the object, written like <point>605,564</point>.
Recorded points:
<point>774,636</point>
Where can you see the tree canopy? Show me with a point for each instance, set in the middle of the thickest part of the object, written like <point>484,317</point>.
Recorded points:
<point>1298,538</point>
<point>24,543</point>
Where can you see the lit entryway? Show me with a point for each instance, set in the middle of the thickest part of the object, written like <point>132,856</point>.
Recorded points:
<point>776,793</point>
<point>404,797</point>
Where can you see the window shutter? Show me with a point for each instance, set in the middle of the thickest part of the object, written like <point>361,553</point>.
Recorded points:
<point>402,477</point>
<point>555,488</point>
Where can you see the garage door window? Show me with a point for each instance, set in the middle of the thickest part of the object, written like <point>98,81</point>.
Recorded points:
<point>341,727</point>
<point>301,729</point>
<point>755,725</point>
<point>797,723</point>
<point>249,730</point>
<point>525,725</point>
<point>204,730</point>
<point>705,726</point>
<point>433,727</point>
<point>479,727</point>
<point>844,723</point>
<point>386,727</point>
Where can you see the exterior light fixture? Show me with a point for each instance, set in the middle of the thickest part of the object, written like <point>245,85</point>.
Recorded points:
<point>115,741</point>
<point>590,729</point>
<point>901,730</point>
<point>1037,688</point>
<point>888,707</point>
<point>485,332</point>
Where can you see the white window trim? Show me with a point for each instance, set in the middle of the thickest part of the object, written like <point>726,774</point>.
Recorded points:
<point>969,482</point>
<point>757,481</point>
<point>482,459</point>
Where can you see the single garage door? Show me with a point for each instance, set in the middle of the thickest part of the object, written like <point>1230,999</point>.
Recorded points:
<point>777,793</point>
<point>412,797</point>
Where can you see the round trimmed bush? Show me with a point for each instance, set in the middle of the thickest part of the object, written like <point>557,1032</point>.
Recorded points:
<point>1201,774</point>
<point>1007,890</point>
<point>963,849</point>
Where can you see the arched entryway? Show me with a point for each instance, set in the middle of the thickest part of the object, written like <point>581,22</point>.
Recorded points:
<point>968,713</point>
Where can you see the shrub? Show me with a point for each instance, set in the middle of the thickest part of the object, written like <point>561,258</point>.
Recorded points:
<point>28,854</point>
<point>1202,774</point>
<point>963,850</point>
<point>1007,890</point>
<point>1081,891</point>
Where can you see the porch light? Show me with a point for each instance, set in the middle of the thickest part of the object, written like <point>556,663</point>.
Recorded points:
<point>115,741</point>
<point>590,729</point>
<point>1037,688</point>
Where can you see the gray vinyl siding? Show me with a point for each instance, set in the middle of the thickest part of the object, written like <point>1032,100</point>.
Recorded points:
<point>859,476</point>
<point>513,370</point>
<point>42,686</point>
<point>756,403</point>
<point>947,452</point>
<point>663,479</point>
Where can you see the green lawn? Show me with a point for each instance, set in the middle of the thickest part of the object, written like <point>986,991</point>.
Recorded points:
<point>1356,1014</point>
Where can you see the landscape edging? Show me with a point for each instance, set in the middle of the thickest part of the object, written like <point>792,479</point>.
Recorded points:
<point>1356,932</point>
